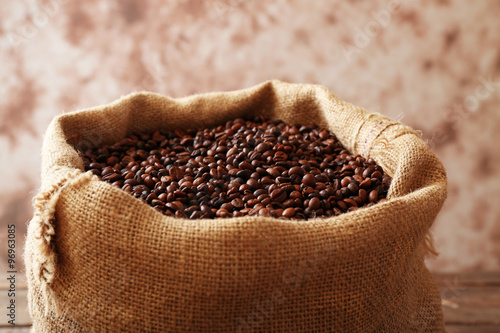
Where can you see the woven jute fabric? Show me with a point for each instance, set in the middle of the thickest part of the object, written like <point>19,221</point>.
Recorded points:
<point>99,260</point>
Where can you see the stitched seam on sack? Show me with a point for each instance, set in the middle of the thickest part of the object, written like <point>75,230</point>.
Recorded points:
<point>385,141</point>
<point>364,153</point>
<point>358,130</point>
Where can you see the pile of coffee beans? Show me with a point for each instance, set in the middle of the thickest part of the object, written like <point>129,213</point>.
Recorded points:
<point>257,167</point>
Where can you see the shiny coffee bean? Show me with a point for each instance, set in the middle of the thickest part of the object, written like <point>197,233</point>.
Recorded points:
<point>314,203</point>
<point>289,212</point>
<point>309,180</point>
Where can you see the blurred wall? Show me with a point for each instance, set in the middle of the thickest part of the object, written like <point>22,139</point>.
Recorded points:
<point>434,65</point>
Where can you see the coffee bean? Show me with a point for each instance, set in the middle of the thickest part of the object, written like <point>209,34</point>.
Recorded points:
<point>283,180</point>
<point>263,147</point>
<point>264,212</point>
<point>354,188</point>
<point>280,156</point>
<point>368,171</point>
<point>296,170</point>
<point>195,215</point>
<point>366,183</point>
<point>345,181</point>
<point>222,213</point>
<point>362,194</point>
<point>373,196</point>
<point>253,183</point>
<point>172,206</point>
<point>350,202</point>
<point>246,165</point>
<point>176,173</point>
<point>237,203</point>
<point>278,195</point>
<point>289,212</point>
<point>309,180</point>
<point>273,172</point>
<point>314,203</point>
<point>228,206</point>
<point>296,195</point>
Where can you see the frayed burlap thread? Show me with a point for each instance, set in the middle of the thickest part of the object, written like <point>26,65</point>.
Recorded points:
<point>99,260</point>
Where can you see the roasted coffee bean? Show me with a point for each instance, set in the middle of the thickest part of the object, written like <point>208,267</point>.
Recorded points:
<point>273,172</point>
<point>261,168</point>
<point>222,213</point>
<point>264,212</point>
<point>354,188</point>
<point>253,183</point>
<point>283,180</point>
<point>314,203</point>
<point>246,166</point>
<point>368,171</point>
<point>350,202</point>
<point>278,195</point>
<point>296,170</point>
<point>362,194</point>
<point>366,183</point>
<point>373,196</point>
<point>309,180</point>
<point>176,173</point>
<point>263,147</point>
<point>237,203</point>
<point>289,212</point>
<point>228,206</point>
<point>342,205</point>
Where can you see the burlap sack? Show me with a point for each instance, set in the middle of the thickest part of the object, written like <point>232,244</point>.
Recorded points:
<point>98,259</point>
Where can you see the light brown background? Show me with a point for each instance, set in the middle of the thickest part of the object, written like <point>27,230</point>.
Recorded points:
<point>434,65</point>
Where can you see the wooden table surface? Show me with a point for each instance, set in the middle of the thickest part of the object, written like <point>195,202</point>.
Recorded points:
<point>471,304</point>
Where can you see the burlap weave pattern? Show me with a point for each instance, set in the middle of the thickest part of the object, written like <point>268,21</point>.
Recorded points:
<point>99,260</point>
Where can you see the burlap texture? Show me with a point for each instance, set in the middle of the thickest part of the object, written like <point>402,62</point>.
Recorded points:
<point>99,260</point>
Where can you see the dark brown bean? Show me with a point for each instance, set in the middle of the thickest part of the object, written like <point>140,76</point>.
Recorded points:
<point>354,188</point>
<point>176,173</point>
<point>237,203</point>
<point>264,212</point>
<point>278,195</point>
<point>253,183</point>
<point>263,147</point>
<point>228,206</point>
<point>350,203</point>
<point>222,212</point>
<point>296,170</point>
<point>309,180</point>
<point>273,172</point>
<point>373,196</point>
<point>314,203</point>
<point>368,171</point>
<point>246,165</point>
<point>289,212</point>
<point>366,183</point>
<point>342,205</point>
<point>362,194</point>
<point>172,206</point>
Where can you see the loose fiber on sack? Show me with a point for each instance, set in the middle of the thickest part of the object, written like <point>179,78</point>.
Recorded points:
<point>99,260</point>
